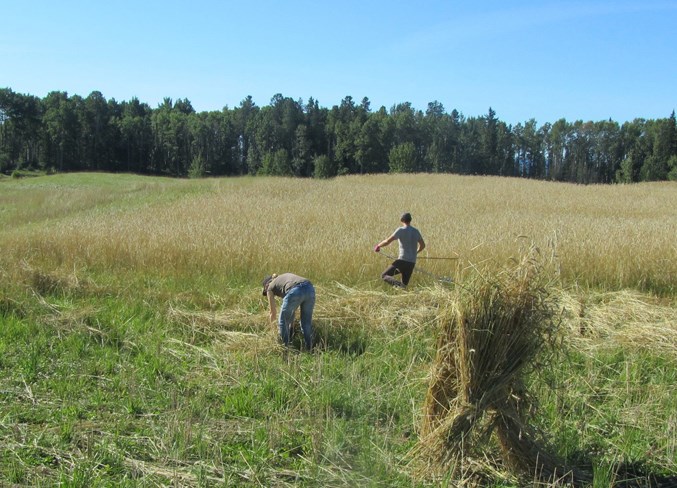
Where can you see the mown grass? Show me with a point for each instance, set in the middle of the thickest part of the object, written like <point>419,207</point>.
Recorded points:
<point>135,350</point>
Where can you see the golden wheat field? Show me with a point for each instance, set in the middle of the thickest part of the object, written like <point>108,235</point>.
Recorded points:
<point>613,237</point>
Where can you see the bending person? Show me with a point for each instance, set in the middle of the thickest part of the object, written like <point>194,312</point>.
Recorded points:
<point>411,243</point>
<point>295,292</point>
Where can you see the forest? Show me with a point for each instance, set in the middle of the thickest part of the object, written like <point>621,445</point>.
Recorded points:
<point>287,137</point>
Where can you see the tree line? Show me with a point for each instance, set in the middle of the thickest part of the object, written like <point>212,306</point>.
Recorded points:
<point>292,138</point>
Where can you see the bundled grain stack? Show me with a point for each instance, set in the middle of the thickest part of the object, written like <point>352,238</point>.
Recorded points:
<point>492,334</point>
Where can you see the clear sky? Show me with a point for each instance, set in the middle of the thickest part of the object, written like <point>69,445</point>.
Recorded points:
<point>541,59</point>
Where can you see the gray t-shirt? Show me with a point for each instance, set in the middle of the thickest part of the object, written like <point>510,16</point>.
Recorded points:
<point>280,285</point>
<point>408,238</point>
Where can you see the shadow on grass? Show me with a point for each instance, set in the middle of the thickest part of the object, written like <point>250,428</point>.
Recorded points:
<point>626,475</point>
<point>328,337</point>
<point>9,307</point>
<point>637,475</point>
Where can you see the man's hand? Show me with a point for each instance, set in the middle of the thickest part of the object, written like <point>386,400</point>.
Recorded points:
<point>271,316</point>
<point>377,248</point>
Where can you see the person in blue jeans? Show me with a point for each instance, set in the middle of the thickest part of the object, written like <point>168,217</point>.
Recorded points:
<point>296,292</point>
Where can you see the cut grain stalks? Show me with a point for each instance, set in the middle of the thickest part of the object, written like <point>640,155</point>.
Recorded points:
<point>628,318</point>
<point>493,333</point>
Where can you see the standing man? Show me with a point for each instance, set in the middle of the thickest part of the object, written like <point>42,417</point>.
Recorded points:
<point>295,292</point>
<point>411,243</point>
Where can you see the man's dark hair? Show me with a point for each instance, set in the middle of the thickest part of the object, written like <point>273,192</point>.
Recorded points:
<point>406,218</point>
<point>265,282</point>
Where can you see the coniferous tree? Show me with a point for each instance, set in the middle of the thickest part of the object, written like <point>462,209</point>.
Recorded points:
<point>287,137</point>
<point>20,124</point>
<point>61,132</point>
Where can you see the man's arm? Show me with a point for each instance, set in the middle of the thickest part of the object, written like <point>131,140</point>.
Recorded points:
<point>384,242</point>
<point>271,303</point>
<point>421,245</point>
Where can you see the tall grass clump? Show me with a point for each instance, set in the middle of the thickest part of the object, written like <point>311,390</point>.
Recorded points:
<point>493,334</point>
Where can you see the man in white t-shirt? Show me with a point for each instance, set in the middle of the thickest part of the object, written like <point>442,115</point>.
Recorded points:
<point>411,243</point>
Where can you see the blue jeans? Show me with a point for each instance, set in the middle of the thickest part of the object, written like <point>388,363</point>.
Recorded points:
<point>303,296</point>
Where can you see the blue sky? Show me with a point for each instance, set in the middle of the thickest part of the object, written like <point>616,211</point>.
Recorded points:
<point>589,60</point>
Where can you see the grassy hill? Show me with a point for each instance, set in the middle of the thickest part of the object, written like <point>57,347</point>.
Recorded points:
<point>135,348</point>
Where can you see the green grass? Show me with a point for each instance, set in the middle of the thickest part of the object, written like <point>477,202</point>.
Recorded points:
<point>133,376</point>
<point>617,406</point>
<point>104,391</point>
